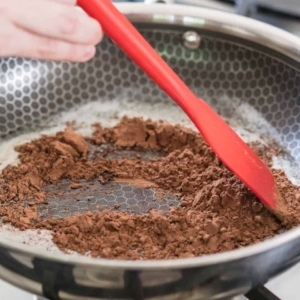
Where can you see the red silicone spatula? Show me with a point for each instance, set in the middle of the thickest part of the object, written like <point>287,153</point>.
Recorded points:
<point>233,152</point>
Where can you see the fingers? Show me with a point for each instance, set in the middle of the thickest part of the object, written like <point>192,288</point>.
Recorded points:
<point>56,20</point>
<point>29,45</point>
<point>48,30</point>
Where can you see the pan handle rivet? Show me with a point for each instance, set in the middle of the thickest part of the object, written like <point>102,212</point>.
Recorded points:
<point>191,40</point>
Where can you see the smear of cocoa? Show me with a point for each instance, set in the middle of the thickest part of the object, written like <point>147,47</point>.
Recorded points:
<point>217,212</point>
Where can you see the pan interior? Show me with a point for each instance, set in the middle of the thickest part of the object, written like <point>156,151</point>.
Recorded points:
<point>257,94</point>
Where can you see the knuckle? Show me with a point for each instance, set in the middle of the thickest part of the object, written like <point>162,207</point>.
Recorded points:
<point>69,23</point>
<point>48,48</point>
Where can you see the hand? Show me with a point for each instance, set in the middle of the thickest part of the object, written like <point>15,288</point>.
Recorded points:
<point>47,29</point>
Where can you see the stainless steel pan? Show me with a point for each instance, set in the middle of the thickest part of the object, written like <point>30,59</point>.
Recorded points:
<point>247,70</point>
<point>246,7</point>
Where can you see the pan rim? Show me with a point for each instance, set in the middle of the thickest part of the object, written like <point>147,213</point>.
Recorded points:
<point>266,35</point>
<point>226,23</point>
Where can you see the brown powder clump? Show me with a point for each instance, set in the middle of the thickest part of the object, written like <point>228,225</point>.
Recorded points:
<point>216,213</point>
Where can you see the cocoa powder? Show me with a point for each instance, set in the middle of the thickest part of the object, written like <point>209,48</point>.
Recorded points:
<point>216,213</point>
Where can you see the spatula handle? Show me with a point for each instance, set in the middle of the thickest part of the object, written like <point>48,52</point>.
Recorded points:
<point>123,33</point>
